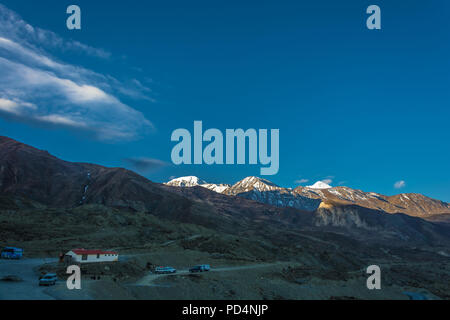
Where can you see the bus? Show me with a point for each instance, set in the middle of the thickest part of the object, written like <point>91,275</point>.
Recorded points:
<point>11,253</point>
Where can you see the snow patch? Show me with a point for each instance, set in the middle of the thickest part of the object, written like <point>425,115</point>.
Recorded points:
<point>320,185</point>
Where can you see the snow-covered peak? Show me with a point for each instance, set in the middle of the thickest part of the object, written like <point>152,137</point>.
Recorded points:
<point>219,188</point>
<point>193,181</point>
<point>251,183</point>
<point>189,181</point>
<point>320,185</point>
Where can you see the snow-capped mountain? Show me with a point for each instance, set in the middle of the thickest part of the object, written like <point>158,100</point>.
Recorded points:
<point>188,181</point>
<point>219,188</point>
<point>320,185</point>
<point>265,191</point>
<point>193,181</point>
<point>310,197</point>
<point>253,183</point>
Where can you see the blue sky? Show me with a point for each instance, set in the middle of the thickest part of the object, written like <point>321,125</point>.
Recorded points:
<point>362,108</point>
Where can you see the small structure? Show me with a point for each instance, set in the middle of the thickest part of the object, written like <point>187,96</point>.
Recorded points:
<point>90,256</point>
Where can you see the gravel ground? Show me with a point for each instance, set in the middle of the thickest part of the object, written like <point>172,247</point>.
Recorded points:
<point>28,288</point>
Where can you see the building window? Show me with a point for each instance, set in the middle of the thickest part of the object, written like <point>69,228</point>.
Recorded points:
<point>84,257</point>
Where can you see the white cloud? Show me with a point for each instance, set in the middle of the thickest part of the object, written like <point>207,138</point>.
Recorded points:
<point>327,181</point>
<point>14,27</point>
<point>8,105</point>
<point>145,165</point>
<point>27,42</point>
<point>61,120</point>
<point>399,184</point>
<point>15,107</point>
<point>301,181</point>
<point>59,93</point>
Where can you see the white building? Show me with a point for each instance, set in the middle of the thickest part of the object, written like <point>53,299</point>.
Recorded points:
<point>90,256</point>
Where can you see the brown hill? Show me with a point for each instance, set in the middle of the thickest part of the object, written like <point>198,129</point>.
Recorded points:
<point>412,204</point>
<point>36,175</point>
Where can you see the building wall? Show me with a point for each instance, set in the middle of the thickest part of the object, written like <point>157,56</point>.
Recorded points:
<point>93,258</point>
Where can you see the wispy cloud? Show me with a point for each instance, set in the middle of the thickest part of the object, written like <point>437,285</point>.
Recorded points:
<point>301,181</point>
<point>37,88</point>
<point>15,28</point>
<point>399,184</point>
<point>14,106</point>
<point>327,181</point>
<point>145,165</point>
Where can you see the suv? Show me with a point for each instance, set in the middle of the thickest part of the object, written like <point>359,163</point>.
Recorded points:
<point>165,270</point>
<point>48,280</point>
<point>200,268</point>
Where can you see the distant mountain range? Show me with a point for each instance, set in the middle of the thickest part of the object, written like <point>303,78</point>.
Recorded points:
<point>309,198</point>
<point>33,182</point>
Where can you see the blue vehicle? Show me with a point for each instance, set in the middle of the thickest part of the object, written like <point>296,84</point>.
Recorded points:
<point>165,270</point>
<point>11,253</point>
<point>48,280</point>
<point>200,268</point>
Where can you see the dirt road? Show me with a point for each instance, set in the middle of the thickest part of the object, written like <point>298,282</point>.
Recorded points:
<point>28,288</point>
<point>150,278</point>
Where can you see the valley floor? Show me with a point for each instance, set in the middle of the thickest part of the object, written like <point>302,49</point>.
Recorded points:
<point>228,280</point>
<point>260,261</point>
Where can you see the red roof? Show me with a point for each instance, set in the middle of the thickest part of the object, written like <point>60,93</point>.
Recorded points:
<point>88,252</point>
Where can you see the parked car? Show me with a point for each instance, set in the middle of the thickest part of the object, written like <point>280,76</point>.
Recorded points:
<point>11,253</point>
<point>200,268</point>
<point>165,270</point>
<point>48,280</point>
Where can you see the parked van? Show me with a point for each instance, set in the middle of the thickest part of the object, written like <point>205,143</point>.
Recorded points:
<point>11,253</point>
<point>48,280</point>
<point>164,270</point>
<point>200,268</point>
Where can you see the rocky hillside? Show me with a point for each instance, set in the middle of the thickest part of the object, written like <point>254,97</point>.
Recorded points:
<point>32,178</point>
<point>38,176</point>
<point>412,204</point>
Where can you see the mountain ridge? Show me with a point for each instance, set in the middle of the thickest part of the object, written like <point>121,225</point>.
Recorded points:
<point>309,197</point>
